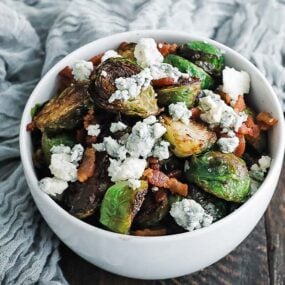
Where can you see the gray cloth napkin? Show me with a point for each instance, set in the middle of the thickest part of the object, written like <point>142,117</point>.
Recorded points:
<point>34,35</point>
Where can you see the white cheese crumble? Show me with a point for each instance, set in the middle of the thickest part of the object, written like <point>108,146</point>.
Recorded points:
<point>190,215</point>
<point>131,87</point>
<point>104,73</point>
<point>258,170</point>
<point>147,53</point>
<point>163,70</point>
<point>117,127</point>
<point>93,130</point>
<point>131,168</point>
<point>235,82</point>
<point>150,120</point>
<point>179,111</point>
<point>76,154</point>
<point>134,183</point>
<point>228,145</point>
<point>161,150</point>
<point>81,70</point>
<point>53,186</point>
<point>109,54</point>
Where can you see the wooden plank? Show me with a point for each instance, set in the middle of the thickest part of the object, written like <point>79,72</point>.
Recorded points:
<point>275,229</point>
<point>246,265</point>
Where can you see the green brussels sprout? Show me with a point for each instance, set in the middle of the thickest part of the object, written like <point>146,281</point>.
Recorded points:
<point>179,93</point>
<point>35,110</point>
<point>120,205</point>
<point>151,212</point>
<point>103,86</point>
<point>213,206</point>
<point>189,139</point>
<point>205,55</point>
<point>65,111</point>
<point>49,142</point>
<point>221,174</point>
<point>83,199</point>
<point>193,70</point>
<point>127,50</point>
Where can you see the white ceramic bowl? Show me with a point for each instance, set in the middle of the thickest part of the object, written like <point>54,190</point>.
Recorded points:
<point>166,256</point>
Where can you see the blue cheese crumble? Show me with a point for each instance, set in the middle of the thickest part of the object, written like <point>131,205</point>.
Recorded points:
<point>161,150</point>
<point>117,127</point>
<point>179,111</point>
<point>190,215</point>
<point>109,54</point>
<point>53,186</point>
<point>81,70</point>
<point>93,130</point>
<point>147,53</point>
<point>228,145</point>
<point>163,70</point>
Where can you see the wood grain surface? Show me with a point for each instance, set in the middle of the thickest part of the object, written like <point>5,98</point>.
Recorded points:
<point>259,259</point>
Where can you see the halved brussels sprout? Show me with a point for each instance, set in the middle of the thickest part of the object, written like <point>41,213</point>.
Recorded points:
<point>49,142</point>
<point>151,212</point>
<point>65,111</point>
<point>205,55</point>
<point>127,50</point>
<point>120,205</point>
<point>189,139</point>
<point>179,93</point>
<point>221,174</point>
<point>193,70</point>
<point>214,206</point>
<point>144,105</point>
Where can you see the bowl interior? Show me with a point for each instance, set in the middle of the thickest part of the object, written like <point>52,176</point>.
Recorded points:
<point>262,98</point>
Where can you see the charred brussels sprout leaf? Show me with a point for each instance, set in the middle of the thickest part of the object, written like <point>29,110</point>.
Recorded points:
<point>214,206</point>
<point>127,50</point>
<point>49,142</point>
<point>144,105</point>
<point>221,174</point>
<point>189,139</point>
<point>35,110</point>
<point>205,55</point>
<point>65,111</point>
<point>193,70</point>
<point>120,205</point>
<point>184,93</point>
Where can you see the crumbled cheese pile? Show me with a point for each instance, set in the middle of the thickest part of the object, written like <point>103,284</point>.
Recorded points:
<point>190,215</point>
<point>179,111</point>
<point>82,69</point>
<point>217,113</point>
<point>128,155</point>
<point>235,83</point>
<point>63,165</point>
<point>109,54</point>
<point>117,127</point>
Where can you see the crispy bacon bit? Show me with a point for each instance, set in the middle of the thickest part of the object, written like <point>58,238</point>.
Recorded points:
<point>96,60</point>
<point>175,174</point>
<point>31,126</point>
<point>225,96</point>
<point>89,118</point>
<point>153,163</point>
<point>160,195</point>
<point>196,112</point>
<point>80,136</point>
<point>150,232</point>
<point>66,78</point>
<point>166,48</point>
<point>249,128</point>
<point>159,179</point>
<point>87,166</point>
<point>240,104</point>
<point>162,82</point>
<point>265,121</point>
<point>241,147</point>
<point>91,139</point>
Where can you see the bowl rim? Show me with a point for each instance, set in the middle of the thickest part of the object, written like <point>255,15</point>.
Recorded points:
<point>31,176</point>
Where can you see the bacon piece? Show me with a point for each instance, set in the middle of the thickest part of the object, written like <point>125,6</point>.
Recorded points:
<point>31,126</point>
<point>240,104</point>
<point>89,118</point>
<point>241,147</point>
<point>150,232</point>
<point>196,112</point>
<point>96,60</point>
<point>163,82</point>
<point>160,195</point>
<point>166,48</point>
<point>87,166</point>
<point>265,121</point>
<point>225,96</point>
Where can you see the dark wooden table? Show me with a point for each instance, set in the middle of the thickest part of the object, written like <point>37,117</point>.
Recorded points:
<point>260,259</point>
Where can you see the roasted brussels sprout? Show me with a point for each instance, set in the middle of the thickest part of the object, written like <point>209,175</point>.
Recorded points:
<point>214,206</point>
<point>120,205</point>
<point>193,70</point>
<point>49,142</point>
<point>65,111</point>
<point>127,50</point>
<point>205,55</point>
<point>221,174</point>
<point>83,199</point>
<point>35,110</point>
<point>151,212</point>
<point>179,93</point>
<point>189,139</point>
<point>144,105</point>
